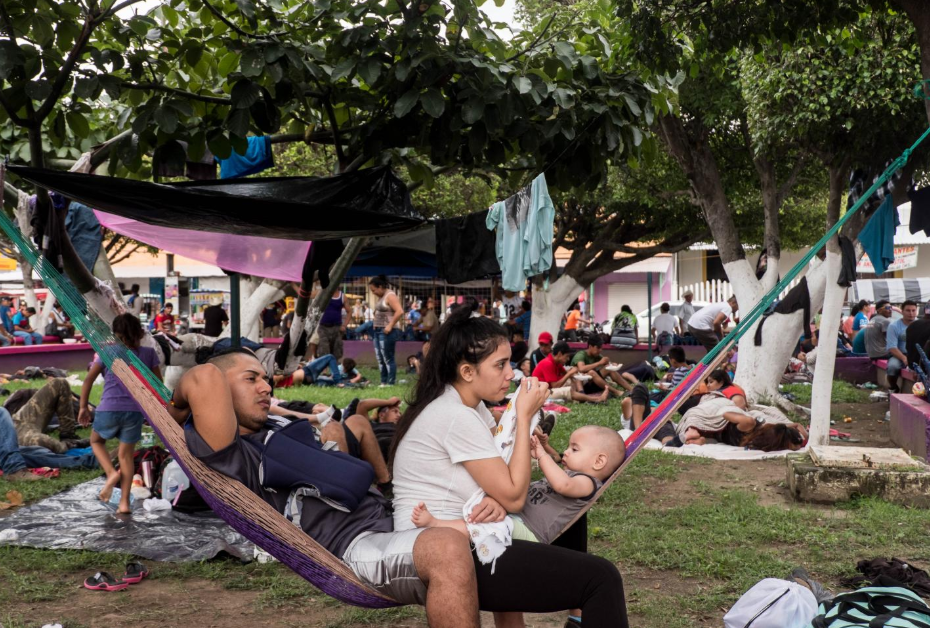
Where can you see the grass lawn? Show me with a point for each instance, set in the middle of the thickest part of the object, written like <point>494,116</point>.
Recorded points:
<point>689,536</point>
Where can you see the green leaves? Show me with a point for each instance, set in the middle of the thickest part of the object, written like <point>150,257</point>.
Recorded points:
<point>406,103</point>
<point>78,124</point>
<point>473,110</point>
<point>252,62</point>
<point>433,102</point>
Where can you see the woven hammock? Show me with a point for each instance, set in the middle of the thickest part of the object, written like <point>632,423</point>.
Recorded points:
<point>247,513</point>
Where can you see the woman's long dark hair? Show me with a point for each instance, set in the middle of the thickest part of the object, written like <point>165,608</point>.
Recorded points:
<point>462,338</point>
<point>772,437</point>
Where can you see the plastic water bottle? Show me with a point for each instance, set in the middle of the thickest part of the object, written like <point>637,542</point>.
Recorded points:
<point>117,494</point>
<point>173,481</point>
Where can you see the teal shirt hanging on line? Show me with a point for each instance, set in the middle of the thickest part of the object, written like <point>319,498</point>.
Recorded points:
<point>524,224</point>
<point>877,237</point>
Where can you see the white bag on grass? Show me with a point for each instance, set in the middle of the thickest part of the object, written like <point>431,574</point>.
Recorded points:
<point>773,603</point>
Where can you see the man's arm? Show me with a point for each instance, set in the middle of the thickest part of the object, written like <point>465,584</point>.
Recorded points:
<point>365,406</point>
<point>891,340</point>
<point>584,367</point>
<point>718,323</point>
<point>204,393</point>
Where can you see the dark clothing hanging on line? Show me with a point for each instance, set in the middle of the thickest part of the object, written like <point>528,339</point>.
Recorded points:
<point>323,254</point>
<point>848,269</point>
<point>465,248</point>
<point>920,210</point>
<point>798,298</point>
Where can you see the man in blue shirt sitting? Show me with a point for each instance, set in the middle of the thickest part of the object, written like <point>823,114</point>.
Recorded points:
<point>897,346</point>
<point>22,328</point>
<point>6,323</point>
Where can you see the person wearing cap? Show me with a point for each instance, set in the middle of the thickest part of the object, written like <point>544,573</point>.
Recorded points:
<point>214,318</point>
<point>686,311</point>
<point>545,348</point>
<point>918,334</point>
<point>896,338</point>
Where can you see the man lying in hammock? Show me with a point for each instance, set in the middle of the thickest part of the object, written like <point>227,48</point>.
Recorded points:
<point>224,406</point>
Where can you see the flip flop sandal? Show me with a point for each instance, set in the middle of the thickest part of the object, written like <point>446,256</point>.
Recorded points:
<point>102,581</point>
<point>135,572</point>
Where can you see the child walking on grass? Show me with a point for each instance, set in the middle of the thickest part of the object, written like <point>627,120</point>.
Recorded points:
<point>118,415</point>
<point>594,452</point>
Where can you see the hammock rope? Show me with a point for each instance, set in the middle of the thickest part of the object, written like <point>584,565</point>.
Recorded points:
<point>247,513</point>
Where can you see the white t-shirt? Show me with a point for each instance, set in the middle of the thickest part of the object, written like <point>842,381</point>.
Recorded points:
<point>512,306</point>
<point>704,318</point>
<point>665,323</point>
<point>428,464</point>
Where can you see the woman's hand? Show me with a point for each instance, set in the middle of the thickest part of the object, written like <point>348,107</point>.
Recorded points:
<point>487,511</point>
<point>535,448</point>
<point>532,397</point>
<point>388,329</point>
<point>84,417</point>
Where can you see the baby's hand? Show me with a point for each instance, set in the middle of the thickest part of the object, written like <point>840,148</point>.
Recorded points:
<point>535,448</point>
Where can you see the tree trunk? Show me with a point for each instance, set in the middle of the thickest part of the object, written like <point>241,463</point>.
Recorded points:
<point>103,270</point>
<point>253,299</point>
<point>307,313</point>
<point>29,293</point>
<point>549,306</point>
<point>822,390</point>
<point>760,368</point>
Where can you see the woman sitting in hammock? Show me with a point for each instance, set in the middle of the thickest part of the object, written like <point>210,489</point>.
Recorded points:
<point>718,419</point>
<point>444,452</point>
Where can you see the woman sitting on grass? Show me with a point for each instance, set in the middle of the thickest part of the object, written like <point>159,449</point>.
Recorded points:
<point>118,415</point>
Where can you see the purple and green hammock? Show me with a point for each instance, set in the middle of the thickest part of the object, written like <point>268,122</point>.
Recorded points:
<point>234,503</point>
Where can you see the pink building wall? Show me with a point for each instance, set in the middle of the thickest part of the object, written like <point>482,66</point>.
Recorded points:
<point>661,290</point>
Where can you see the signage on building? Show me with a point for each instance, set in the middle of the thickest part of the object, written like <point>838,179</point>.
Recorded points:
<point>904,257</point>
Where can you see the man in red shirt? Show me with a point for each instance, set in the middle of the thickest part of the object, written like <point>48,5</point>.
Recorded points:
<point>551,370</point>
<point>165,320</point>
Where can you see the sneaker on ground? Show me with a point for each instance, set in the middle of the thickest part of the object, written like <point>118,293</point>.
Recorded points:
<point>23,475</point>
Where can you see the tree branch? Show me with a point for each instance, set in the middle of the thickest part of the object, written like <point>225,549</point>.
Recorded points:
<point>785,189</point>
<point>219,15</point>
<point>65,72</point>
<point>533,44</point>
<point>158,87</point>
<point>8,106</point>
<point>114,9</point>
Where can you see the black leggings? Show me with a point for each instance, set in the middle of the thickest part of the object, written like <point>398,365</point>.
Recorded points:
<point>538,578</point>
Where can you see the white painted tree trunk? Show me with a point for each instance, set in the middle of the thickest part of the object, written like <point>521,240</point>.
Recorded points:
<point>46,312</point>
<point>253,300</point>
<point>760,368</point>
<point>822,389</point>
<point>103,270</point>
<point>549,305</point>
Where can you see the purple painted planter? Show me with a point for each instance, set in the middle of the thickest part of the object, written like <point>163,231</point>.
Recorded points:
<point>910,424</point>
<point>855,370</point>
<point>74,357</point>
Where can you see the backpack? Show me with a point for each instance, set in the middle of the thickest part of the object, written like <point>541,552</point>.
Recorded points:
<point>158,457</point>
<point>621,325</point>
<point>871,607</point>
<point>773,603</point>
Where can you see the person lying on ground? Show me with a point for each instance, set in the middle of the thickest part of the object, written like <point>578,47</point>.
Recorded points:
<point>594,452</point>
<point>353,434</point>
<point>551,370</point>
<point>718,419</point>
<point>637,407</point>
<point>591,362</point>
<point>311,373</point>
<point>118,415</point>
<point>225,406</point>
<point>15,461</point>
<point>444,453</point>
<point>384,423</point>
<point>33,418</point>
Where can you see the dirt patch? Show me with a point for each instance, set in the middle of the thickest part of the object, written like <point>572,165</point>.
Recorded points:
<point>868,423</point>
<point>157,603</point>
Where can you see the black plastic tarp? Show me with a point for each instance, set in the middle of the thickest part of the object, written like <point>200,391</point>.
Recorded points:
<point>76,519</point>
<point>366,202</point>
